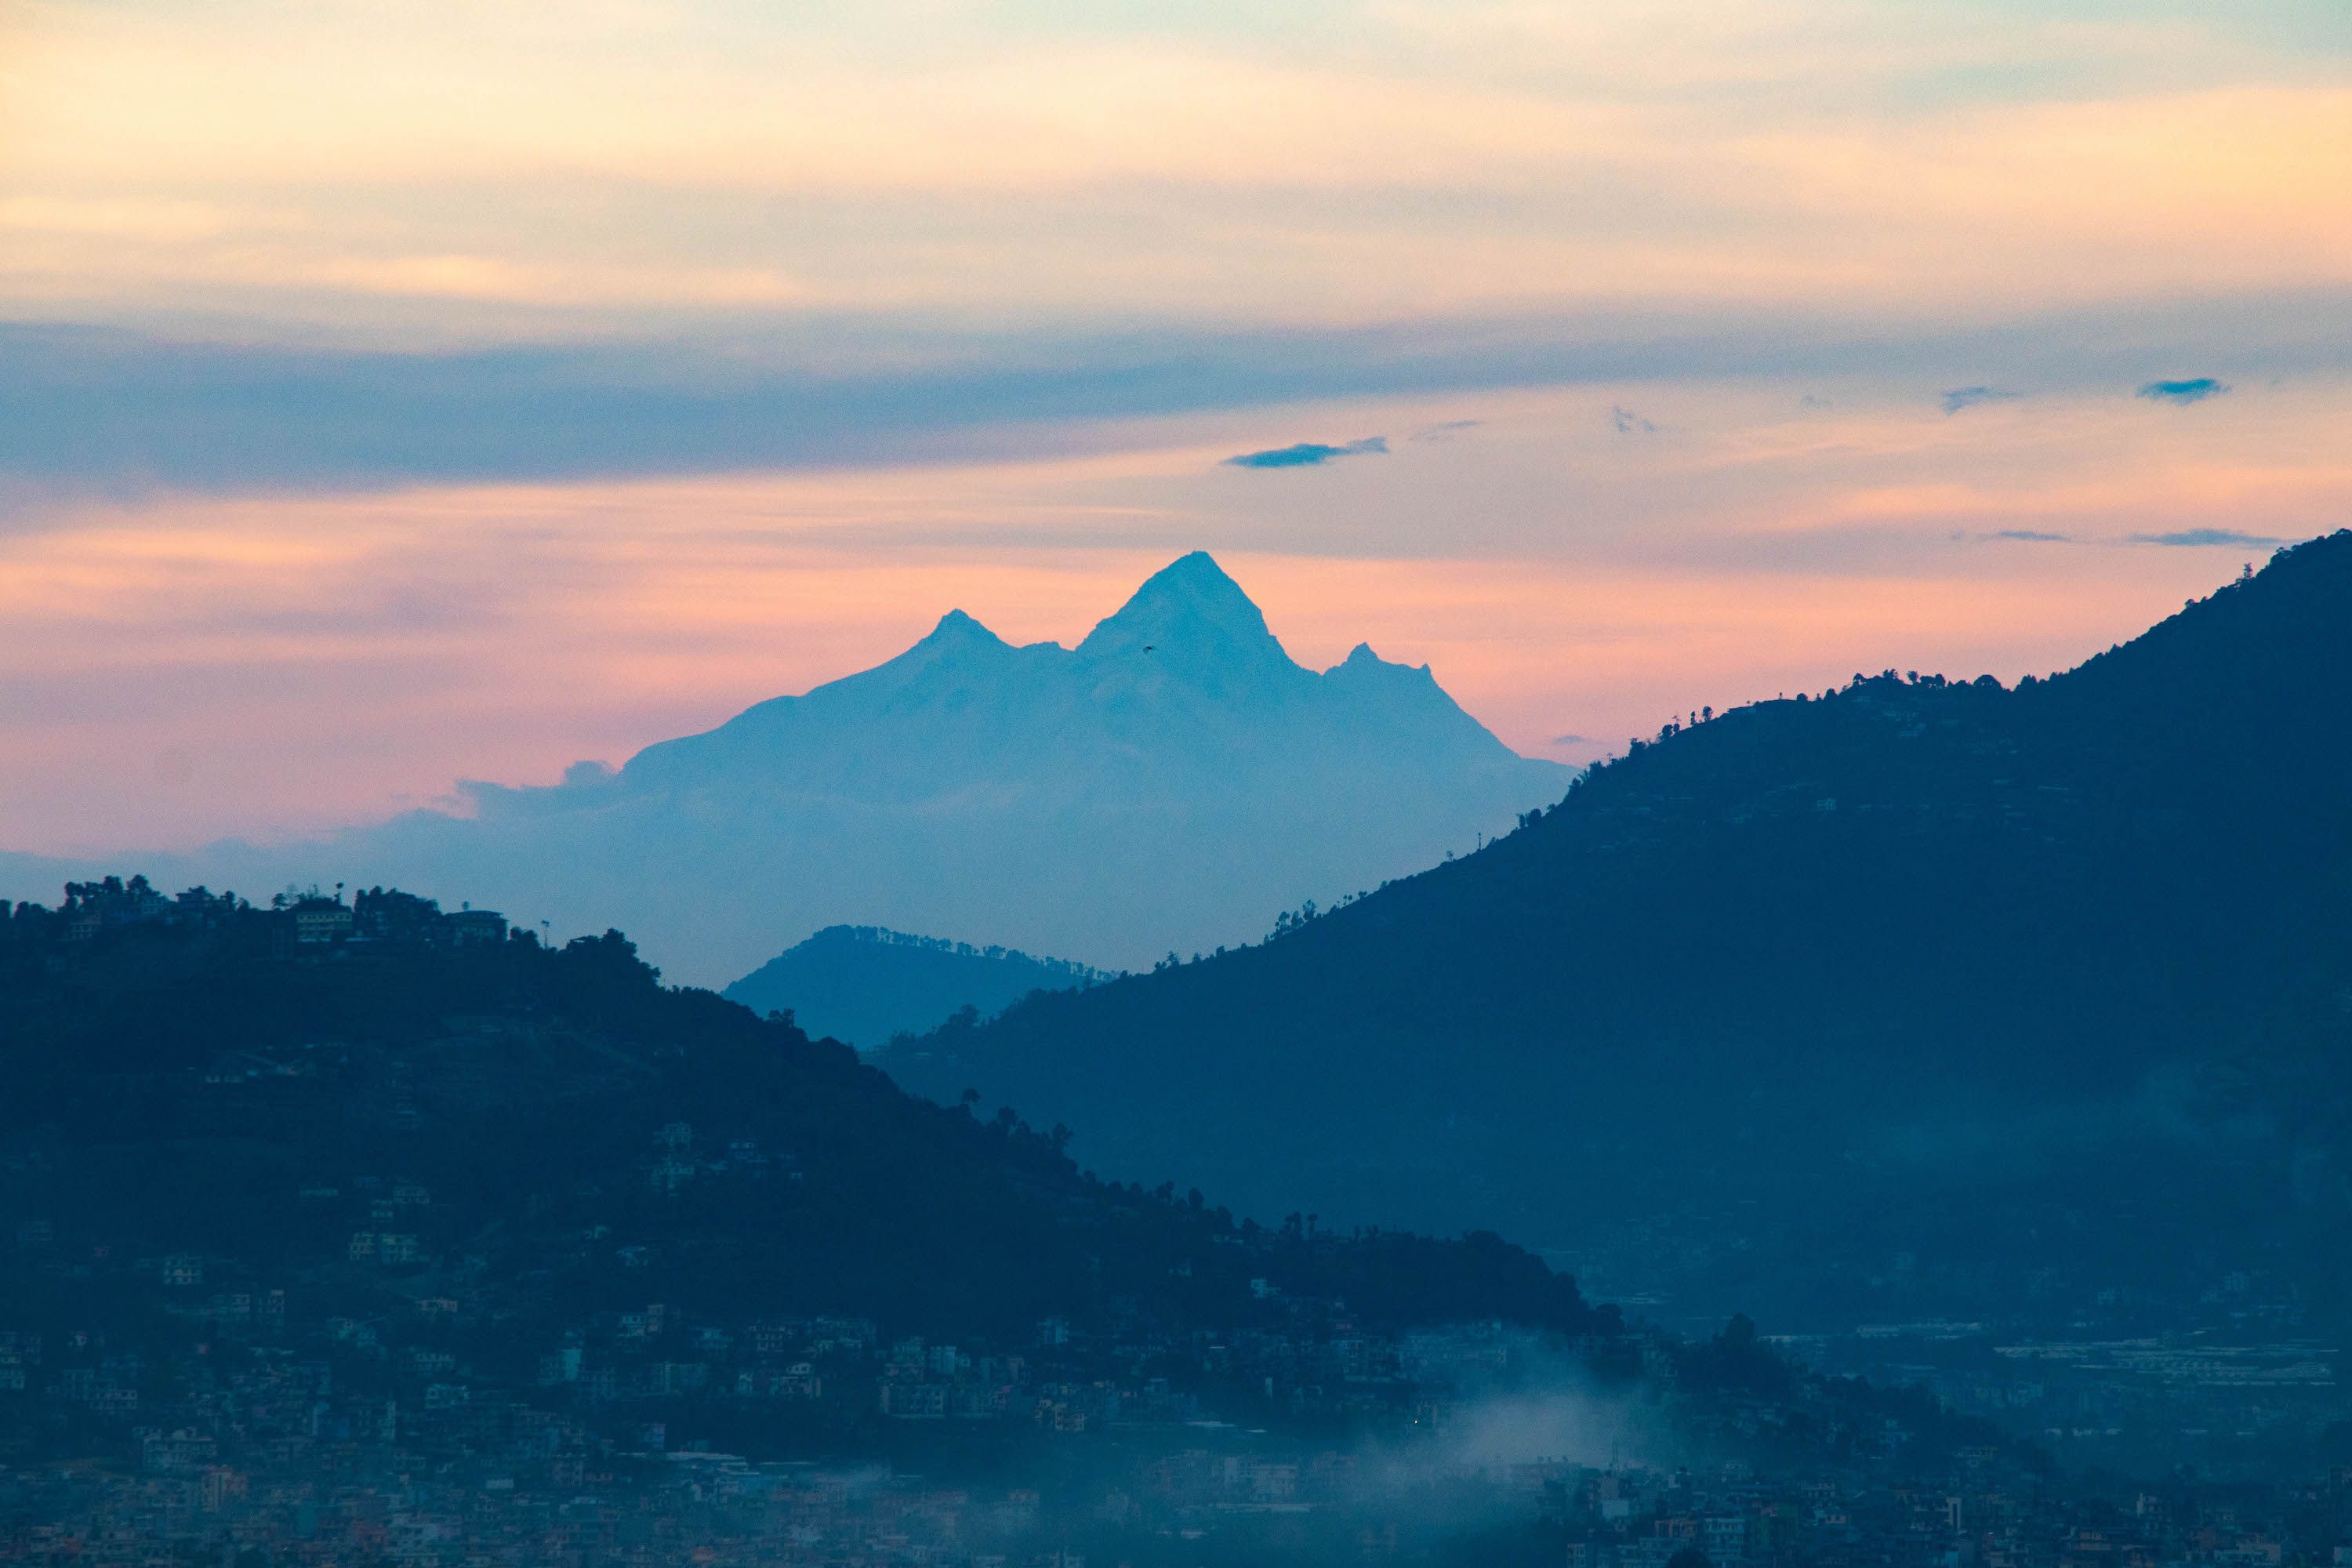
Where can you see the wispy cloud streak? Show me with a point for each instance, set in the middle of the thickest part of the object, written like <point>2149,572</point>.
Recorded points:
<point>1309,454</point>
<point>2198,538</point>
<point>1963,397</point>
<point>2196,389</point>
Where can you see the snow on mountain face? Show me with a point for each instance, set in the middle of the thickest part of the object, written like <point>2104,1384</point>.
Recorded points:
<point>1172,783</point>
<point>1185,677</point>
<point>1195,621</point>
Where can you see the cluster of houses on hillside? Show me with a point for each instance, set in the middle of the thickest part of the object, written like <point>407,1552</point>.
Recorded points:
<point>299,918</point>
<point>310,1441</point>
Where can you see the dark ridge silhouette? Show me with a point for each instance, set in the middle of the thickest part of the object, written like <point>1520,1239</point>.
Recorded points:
<point>864,984</point>
<point>2057,978</point>
<point>182,1069</point>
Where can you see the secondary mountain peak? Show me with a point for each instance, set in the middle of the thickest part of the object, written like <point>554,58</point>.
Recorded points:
<point>955,628</point>
<point>1364,664</point>
<point>1188,606</point>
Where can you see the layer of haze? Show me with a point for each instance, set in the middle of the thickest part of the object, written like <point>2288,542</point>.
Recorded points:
<point>391,394</point>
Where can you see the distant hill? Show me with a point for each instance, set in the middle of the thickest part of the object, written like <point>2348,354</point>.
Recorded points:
<point>1919,995</point>
<point>862,985</point>
<point>1169,784</point>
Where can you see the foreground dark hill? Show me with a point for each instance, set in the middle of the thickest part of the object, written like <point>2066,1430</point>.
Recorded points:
<point>188,1077</point>
<point>1920,983</point>
<point>330,1191</point>
<point>864,984</point>
<point>371,1235</point>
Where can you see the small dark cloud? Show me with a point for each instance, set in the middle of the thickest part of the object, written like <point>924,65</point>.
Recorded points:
<point>1962,397</point>
<point>2196,389</point>
<point>2193,537</point>
<point>1632,424</point>
<point>1571,741</point>
<point>2030,536</point>
<point>1810,401</point>
<point>1446,431</point>
<point>1307,454</point>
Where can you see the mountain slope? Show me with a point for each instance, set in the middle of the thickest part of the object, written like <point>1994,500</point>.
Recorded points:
<point>1873,965</point>
<point>863,985</point>
<point>1169,784</point>
<point>185,1078</point>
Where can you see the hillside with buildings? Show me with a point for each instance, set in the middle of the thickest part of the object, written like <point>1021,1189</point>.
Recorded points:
<point>577,1121</point>
<point>357,1231</point>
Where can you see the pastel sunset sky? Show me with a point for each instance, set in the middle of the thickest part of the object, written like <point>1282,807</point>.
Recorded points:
<point>392,393</point>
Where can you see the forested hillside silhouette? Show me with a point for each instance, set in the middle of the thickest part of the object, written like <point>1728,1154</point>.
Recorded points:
<point>1870,967</point>
<point>183,1071</point>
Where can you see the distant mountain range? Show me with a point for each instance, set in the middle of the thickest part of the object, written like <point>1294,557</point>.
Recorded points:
<point>1915,996</point>
<point>1171,784</point>
<point>862,985</point>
